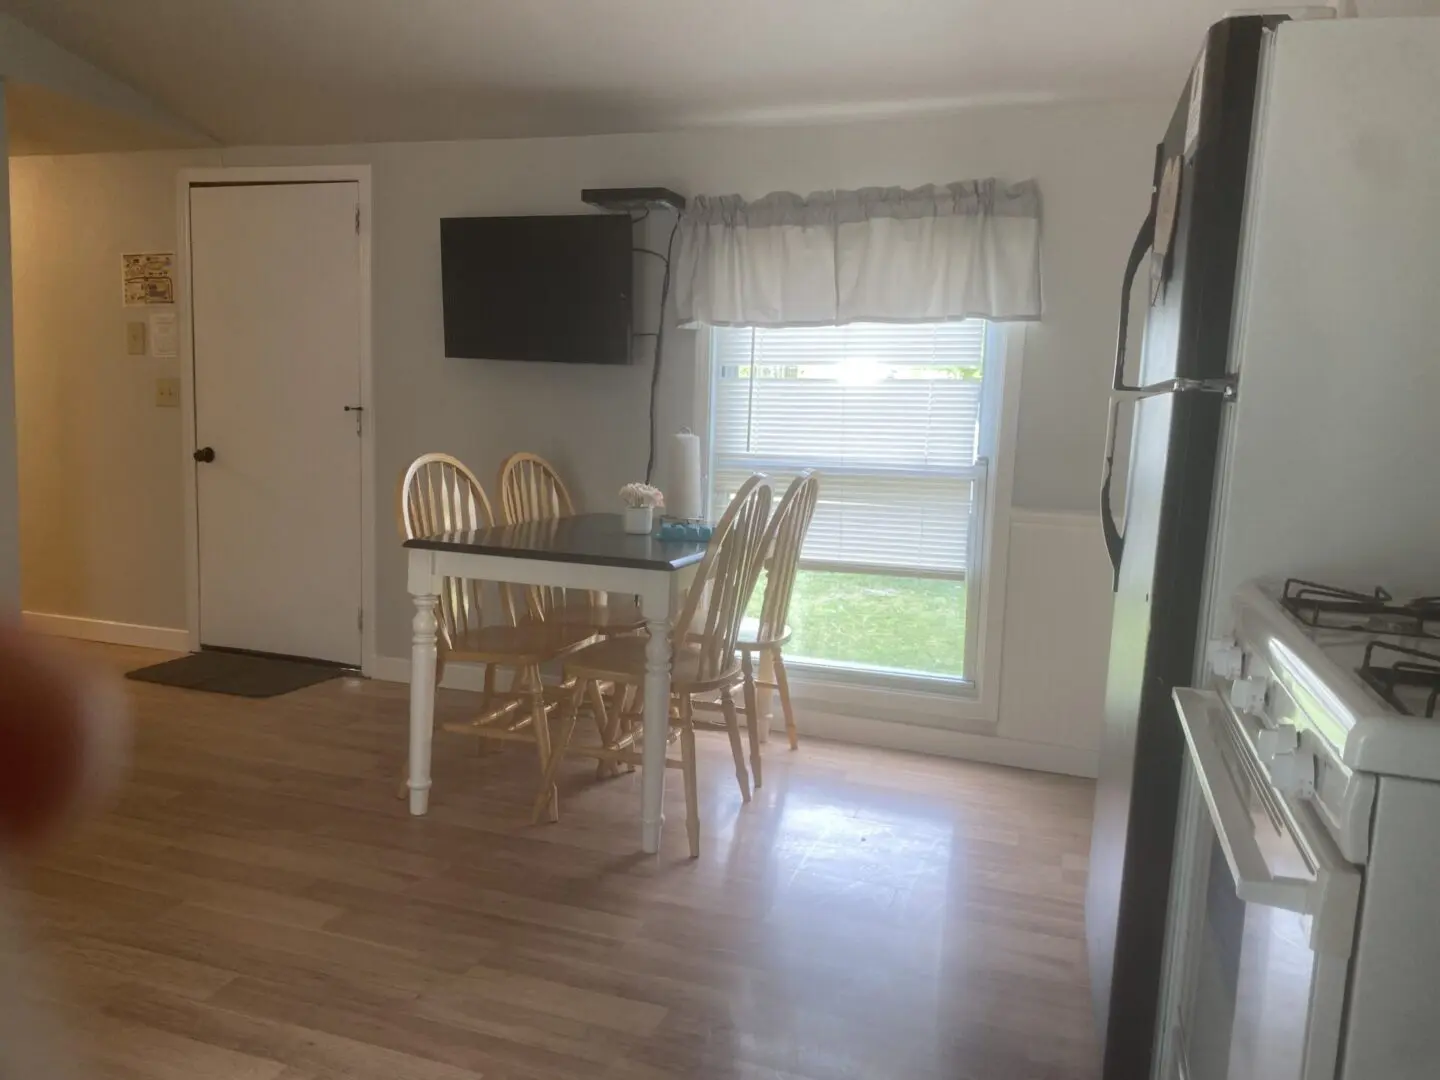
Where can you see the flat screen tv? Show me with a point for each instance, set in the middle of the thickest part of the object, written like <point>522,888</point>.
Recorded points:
<point>553,289</point>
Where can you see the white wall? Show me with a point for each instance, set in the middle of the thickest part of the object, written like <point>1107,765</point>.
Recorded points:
<point>101,526</point>
<point>101,531</point>
<point>33,69</point>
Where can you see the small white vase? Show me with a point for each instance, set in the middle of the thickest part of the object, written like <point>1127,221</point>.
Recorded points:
<point>639,519</point>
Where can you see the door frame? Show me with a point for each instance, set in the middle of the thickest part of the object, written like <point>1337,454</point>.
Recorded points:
<point>187,178</point>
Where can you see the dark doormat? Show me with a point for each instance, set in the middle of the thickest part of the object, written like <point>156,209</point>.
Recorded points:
<point>242,674</point>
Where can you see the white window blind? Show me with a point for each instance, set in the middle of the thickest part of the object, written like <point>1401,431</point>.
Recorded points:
<point>889,413</point>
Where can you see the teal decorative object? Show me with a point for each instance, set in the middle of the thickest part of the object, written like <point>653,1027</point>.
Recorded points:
<point>685,530</point>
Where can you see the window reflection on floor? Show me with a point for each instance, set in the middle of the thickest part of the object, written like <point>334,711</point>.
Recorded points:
<point>872,863</point>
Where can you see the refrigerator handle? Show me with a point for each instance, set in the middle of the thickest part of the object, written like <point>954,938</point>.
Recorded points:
<point>1144,240</point>
<point>1114,538</point>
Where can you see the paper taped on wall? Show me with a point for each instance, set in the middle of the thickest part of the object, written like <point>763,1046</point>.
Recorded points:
<point>148,278</point>
<point>164,334</point>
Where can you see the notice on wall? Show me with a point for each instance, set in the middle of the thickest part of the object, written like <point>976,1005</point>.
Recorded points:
<point>148,278</point>
<point>164,334</point>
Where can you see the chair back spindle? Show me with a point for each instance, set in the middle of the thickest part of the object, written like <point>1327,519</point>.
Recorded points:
<point>715,604</point>
<point>531,490</point>
<point>438,495</point>
<point>784,540</point>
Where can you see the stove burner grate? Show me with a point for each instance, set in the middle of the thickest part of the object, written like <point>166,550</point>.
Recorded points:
<point>1329,608</point>
<point>1412,668</point>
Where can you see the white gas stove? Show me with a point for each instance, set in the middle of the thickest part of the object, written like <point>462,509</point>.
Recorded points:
<point>1308,857</point>
<point>1343,686</point>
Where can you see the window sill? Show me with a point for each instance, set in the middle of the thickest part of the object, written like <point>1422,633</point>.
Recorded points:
<point>953,704</point>
<point>840,672</point>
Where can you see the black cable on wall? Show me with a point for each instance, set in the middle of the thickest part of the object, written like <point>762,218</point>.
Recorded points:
<point>659,339</point>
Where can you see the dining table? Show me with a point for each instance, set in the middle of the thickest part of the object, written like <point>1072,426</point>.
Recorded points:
<point>590,552</point>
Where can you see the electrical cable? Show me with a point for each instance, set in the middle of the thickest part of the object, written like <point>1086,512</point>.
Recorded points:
<point>660,343</point>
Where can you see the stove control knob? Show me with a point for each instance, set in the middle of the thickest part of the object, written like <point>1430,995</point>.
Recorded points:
<point>1294,774</point>
<point>1248,695</point>
<point>1277,741</point>
<point>1225,658</point>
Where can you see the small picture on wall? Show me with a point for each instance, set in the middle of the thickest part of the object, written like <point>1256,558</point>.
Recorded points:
<point>148,278</point>
<point>142,291</point>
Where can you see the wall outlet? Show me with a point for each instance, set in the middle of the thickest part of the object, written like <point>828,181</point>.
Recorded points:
<point>167,393</point>
<point>135,338</point>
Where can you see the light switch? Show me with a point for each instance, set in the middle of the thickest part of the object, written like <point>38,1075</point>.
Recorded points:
<point>167,393</point>
<point>135,338</point>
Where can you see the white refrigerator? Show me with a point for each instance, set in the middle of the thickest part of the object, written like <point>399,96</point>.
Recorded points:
<point>1286,408</point>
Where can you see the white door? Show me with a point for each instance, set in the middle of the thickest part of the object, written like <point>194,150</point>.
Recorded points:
<point>276,301</point>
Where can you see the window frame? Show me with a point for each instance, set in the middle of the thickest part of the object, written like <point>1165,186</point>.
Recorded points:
<point>970,702</point>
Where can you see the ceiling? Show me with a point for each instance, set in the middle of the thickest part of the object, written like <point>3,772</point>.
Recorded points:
<point>336,71</point>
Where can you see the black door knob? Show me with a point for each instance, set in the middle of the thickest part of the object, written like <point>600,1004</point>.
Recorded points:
<point>205,453</point>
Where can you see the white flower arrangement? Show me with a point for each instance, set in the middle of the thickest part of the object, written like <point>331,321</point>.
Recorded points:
<point>637,496</point>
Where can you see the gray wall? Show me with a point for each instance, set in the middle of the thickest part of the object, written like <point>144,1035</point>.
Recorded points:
<point>80,393</point>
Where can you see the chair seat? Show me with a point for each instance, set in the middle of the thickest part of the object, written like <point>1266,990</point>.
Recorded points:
<point>611,618</point>
<point>622,659</point>
<point>528,643</point>
<point>750,635</point>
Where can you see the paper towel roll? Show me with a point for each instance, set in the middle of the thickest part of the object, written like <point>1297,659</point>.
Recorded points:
<point>684,498</point>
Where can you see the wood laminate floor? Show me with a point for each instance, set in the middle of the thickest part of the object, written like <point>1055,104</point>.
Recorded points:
<point>258,905</point>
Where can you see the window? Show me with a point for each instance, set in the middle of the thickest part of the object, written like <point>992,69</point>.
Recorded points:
<point>892,416</point>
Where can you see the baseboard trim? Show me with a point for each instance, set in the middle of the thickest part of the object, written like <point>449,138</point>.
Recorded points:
<point>113,633</point>
<point>861,731</point>
<point>457,676</point>
<point>943,742</point>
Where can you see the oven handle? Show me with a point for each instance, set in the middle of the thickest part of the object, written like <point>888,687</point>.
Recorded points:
<point>1332,898</point>
<point>1254,883</point>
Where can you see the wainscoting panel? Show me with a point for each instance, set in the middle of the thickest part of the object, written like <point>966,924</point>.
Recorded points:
<point>1053,663</point>
<point>1052,677</point>
<point>1057,631</point>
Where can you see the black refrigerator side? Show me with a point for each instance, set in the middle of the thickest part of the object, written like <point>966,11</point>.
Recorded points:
<point>1160,559</point>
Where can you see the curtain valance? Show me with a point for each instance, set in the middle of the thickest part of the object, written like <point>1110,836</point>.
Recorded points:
<point>936,253</point>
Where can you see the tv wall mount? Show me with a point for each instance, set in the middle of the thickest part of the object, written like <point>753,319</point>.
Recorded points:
<point>631,199</point>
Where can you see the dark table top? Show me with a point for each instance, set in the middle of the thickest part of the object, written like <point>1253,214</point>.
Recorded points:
<point>596,539</point>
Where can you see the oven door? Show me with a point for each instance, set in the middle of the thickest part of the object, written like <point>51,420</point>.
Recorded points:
<point>1262,918</point>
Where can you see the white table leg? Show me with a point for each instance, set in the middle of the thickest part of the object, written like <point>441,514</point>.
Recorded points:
<point>422,700</point>
<point>657,722</point>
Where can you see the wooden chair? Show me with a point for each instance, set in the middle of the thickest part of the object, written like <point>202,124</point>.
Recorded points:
<point>769,634</point>
<point>704,656</point>
<point>439,494</point>
<point>531,490</point>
